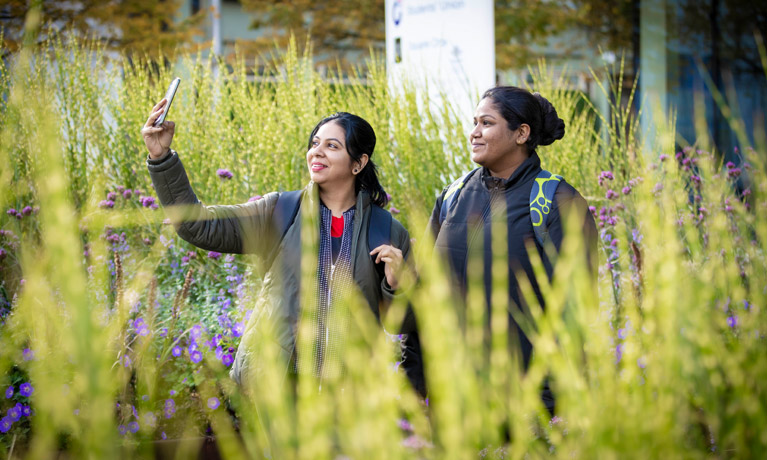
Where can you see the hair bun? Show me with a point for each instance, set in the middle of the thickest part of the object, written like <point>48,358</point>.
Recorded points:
<point>553,127</point>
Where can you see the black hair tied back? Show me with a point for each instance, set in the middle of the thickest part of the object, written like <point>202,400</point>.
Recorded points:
<point>360,140</point>
<point>553,127</point>
<point>518,105</point>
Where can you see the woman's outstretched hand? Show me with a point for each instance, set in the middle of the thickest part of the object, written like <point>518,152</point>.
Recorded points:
<point>158,138</point>
<point>392,259</point>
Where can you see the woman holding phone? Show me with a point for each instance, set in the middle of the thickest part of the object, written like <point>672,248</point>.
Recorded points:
<point>344,186</point>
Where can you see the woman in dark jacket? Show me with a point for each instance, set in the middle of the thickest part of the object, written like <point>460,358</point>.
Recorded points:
<point>345,189</point>
<point>509,124</point>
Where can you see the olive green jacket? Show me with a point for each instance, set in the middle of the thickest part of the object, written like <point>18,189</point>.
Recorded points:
<point>248,228</point>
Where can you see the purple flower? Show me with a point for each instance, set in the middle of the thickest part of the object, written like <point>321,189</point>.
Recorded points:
<point>393,210</point>
<point>176,351</point>
<point>26,411</point>
<point>626,190</point>
<point>732,321</point>
<point>106,204</point>
<point>611,194</point>
<point>122,429</point>
<point>28,354</point>
<point>224,174</point>
<point>403,424</point>
<point>127,193</point>
<point>2,253</point>
<point>213,403</point>
<point>9,393</point>
<point>195,356</point>
<point>5,425</point>
<point>27,210</point>
<point>14,413</point>
<point>227,359</point>
<point>170,402</point>
<point>214,255</point>
<point>663,157</point>
<point>641,362</point>
<point>163,435</point>
<point>133,426</point>
<point>12,212</point>
<point>195,332</point>
<point>618,353</point>
<point>238,329</point>
<point>111,196</point>
<point>593,210</point>
<point>147,202</point>
<point>730,165</point>
<point>255,198</point>
<point>734,172</point>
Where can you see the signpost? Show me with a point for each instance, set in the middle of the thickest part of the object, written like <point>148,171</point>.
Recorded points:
<point>447,46</point>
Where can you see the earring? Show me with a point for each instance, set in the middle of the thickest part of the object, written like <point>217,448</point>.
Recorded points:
<point>355,170</point>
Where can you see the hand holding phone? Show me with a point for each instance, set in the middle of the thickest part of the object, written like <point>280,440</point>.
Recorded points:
<point>169,98</point>
<point>158,133</point>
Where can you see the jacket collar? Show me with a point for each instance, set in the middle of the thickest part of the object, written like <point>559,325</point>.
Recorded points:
<point>526,171</point>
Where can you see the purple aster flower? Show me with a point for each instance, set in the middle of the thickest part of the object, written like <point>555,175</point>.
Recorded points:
<point>27,210</point>
<point>111,196</point>
<point>133,427</point>
<point>5,424</point>
<point>403,424</point>
<point>9,392</point>
<point>214,255</point>
<point>195,332</point>
<point>122,429</point>
<point>106,204</point>
<point>213,403</point>
<point>147,201</point>
<point>176,351</point>
<point>238,329</point>
<point>195,356</point>
<point>255,198</point>
<point>224,174</point>
<point>14,413</point>
<point>127,193</point>
<point>227,359</point>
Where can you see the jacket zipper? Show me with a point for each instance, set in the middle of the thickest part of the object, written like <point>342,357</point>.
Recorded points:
<point>488,207</point>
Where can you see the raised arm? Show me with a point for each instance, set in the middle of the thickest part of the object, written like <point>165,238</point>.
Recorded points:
<point>244,228</point>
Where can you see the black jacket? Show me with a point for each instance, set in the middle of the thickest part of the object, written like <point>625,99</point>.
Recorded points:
<point>467,224</point>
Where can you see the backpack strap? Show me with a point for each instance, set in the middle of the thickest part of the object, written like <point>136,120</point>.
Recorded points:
<point>283,215</point>
<point>452,194</point>
<point>541,197</point>
<point>379,229</point>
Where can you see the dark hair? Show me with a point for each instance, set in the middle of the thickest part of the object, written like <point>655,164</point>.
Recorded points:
<point>518,105</point>
<point>360,139</point>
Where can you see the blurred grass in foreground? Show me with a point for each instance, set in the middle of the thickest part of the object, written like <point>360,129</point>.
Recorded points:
<point>123,331</point>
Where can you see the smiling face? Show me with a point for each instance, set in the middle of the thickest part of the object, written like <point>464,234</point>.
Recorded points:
<point>327,157</point>
<point>493,144</point>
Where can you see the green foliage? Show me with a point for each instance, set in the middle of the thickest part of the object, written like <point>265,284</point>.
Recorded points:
<point>666,359</point>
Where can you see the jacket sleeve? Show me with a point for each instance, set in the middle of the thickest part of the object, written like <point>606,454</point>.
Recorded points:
<point>434,223</point>
<point>243,228</point>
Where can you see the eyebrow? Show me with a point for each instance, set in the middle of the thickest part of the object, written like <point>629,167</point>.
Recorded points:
<point>330,139</point>
<point>486,115</point>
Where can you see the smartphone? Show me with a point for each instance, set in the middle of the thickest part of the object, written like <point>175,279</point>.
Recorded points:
<point>169,97</point>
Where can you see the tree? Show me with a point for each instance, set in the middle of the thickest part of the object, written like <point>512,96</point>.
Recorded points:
<point>150,26</point>
<point>340,30</point>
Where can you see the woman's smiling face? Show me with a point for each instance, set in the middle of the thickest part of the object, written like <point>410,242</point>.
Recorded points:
<point>327,157</point>
<point>491,139</point>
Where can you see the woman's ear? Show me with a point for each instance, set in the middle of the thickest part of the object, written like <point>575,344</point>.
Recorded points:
<point>360,165</point>
<point>523,133</point>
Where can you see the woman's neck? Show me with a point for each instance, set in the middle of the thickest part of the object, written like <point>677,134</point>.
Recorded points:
<point>338,199</point>
<point>509,164</point>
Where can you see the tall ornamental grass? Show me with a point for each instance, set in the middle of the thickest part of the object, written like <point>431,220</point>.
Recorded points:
<point>117,337</point>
